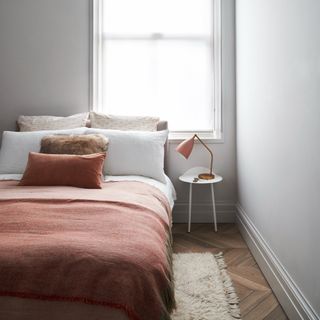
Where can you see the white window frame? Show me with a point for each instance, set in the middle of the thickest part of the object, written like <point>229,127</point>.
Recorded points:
<point>216,134</point>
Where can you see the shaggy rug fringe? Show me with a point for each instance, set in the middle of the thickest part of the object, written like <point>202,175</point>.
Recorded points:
<point>230,292</point>
<point>204,290</point>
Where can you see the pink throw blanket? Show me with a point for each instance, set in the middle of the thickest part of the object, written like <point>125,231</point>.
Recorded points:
<point>107,247</point>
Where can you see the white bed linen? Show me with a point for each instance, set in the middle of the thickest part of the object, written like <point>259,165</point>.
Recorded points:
<point>138,153</point>
<point>10,176</point>
<point>167,188</point>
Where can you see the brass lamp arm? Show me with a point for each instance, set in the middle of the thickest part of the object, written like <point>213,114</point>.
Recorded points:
<point>211,154</point>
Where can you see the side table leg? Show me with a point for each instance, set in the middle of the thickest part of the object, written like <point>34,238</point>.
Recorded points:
<point>190,206</point>
<point>214,209</point>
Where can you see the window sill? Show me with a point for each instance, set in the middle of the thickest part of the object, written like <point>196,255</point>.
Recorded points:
<point>208,137</point>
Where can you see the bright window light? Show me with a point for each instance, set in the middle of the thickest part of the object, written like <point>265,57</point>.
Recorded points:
<point>157,58</point>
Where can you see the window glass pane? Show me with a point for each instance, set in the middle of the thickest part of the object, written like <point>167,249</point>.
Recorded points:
<point>185,86</point>
<point>128,86</point>
<point>170,79</point>
<point>177,17</point>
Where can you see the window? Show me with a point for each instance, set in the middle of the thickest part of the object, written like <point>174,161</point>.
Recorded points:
<point>159,58</point>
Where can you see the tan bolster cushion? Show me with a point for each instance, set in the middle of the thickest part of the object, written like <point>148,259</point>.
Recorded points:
<point>38,123</point>
<point>107,121</point>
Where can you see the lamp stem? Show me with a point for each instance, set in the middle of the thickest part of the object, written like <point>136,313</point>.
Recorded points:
<point>211,159</point>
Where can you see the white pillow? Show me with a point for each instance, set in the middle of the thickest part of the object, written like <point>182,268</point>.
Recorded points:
<point>138,153</point>
<point>17,145</point>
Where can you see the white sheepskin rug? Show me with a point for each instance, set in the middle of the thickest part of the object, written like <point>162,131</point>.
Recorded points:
<point>203,288</point>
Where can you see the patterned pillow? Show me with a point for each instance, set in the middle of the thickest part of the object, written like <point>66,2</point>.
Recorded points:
<point>38,123</point>
<point>104,121</point>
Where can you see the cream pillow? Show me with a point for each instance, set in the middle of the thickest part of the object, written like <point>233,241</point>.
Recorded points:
<point>36,123</point>
<point>107,121</point>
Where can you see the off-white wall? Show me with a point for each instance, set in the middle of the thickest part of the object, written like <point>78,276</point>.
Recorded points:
<point>44,69</point>
<point>278,130</point>
<point>224,153</point>
<point>44,58</point>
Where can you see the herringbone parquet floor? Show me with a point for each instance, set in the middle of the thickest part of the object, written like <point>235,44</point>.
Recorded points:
<point>257,301</point>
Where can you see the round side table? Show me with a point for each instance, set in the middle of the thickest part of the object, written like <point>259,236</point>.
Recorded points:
<point>191,177</point>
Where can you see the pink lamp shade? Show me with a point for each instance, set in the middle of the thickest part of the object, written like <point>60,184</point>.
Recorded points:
<point>185,147</point>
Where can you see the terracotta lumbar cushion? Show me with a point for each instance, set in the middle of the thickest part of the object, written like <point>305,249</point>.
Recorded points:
<point>64,170</point>
<point>74,144</point>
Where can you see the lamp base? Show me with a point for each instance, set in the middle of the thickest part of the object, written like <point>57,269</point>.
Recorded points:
<point>206,176</point>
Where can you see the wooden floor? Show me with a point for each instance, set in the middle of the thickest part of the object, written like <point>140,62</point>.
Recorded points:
<point>257,300</point>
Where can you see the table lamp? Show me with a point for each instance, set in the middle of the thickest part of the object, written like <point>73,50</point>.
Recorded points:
<point>185,148</point>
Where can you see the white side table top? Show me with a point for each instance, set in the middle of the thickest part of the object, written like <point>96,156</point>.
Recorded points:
<point>192,173</point>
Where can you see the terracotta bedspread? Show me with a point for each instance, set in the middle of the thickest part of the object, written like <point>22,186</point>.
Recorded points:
<point>107,247</point>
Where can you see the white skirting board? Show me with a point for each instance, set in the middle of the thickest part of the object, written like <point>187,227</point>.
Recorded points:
<point>202,212</point>
<point>289,295</point>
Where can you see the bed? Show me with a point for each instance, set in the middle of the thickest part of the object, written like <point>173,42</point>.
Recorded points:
<point>72,253</point>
